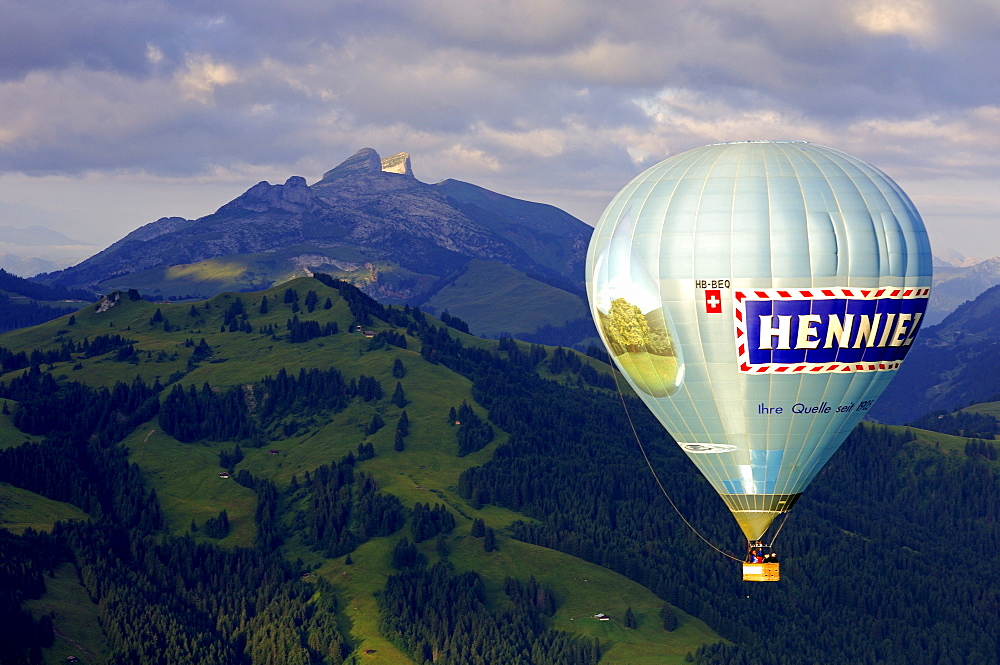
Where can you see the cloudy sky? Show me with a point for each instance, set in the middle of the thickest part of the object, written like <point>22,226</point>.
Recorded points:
<point>114,113</point>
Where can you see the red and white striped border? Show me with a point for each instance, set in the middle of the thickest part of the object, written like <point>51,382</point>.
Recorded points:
<point>739,315</point>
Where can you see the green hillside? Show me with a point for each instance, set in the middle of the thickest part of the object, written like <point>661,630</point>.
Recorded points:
<point>491,297</point>
<point>160,344</point>
<point>10,435</point>
<point>250,272</point>
<point>494,299</point>
<point>21,509</point>
<point>986,408</point>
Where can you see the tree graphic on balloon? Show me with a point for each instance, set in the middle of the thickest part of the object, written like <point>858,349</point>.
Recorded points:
<point>627,326</point>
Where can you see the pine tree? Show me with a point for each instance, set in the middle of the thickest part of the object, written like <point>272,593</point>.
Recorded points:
<point>441,547</point>
<point>406,555</point>
<point>312,299</point>
<point>669,618</point>
<point>398,369</point>
<point>366,451</point>
<point>263,305</point>
<point>217,527</point>
<point>398,396</point>
<point>489,540</point>
<point>630,620</point>
<point>478,528</point>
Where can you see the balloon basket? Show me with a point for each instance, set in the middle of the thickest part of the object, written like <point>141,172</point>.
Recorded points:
<point>761,572</point>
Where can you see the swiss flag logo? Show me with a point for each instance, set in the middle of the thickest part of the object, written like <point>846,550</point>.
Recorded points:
<point>713,301</point>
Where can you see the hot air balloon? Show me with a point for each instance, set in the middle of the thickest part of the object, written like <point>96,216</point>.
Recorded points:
<point>758,296</point>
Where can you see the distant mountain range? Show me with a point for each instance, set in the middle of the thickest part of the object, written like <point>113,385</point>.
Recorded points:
<point>34,249</point>
<point>371,222</point>
<point>958,281</point>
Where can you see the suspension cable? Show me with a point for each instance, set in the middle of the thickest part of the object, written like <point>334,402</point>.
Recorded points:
<point>780,527</point>
<point>656,477</point>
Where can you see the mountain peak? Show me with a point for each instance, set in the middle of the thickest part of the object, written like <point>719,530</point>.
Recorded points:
<point>367,160</point>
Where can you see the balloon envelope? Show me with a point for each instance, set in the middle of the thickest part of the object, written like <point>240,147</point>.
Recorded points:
<point>759,296</point>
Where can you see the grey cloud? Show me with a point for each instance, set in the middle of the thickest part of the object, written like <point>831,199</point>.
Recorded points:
<point>532,96</point>
<point>101,35</point>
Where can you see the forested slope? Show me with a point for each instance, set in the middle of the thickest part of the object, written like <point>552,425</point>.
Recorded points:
<point>887,556</point>
<point>24,302</point>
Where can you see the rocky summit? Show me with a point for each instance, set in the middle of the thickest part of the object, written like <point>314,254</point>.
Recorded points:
<point>368,220</point>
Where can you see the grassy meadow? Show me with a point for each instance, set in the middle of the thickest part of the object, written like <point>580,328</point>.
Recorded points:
<point>78,632</point>
<point>20,509</point>
<point>482,297</point>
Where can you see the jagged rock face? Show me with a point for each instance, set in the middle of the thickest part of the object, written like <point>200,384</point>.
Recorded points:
<point>398,163</point>
<point>294,196</point>
<point>380,215</point>
<point>365,160</point>
<point>107,302</point>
